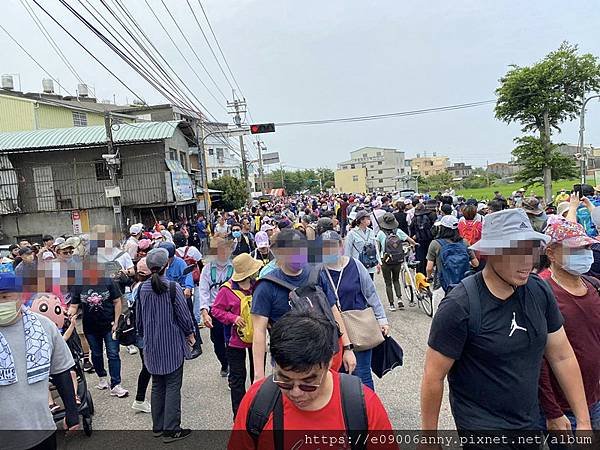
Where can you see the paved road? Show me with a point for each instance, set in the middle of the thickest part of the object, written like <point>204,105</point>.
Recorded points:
<point>206,401</point>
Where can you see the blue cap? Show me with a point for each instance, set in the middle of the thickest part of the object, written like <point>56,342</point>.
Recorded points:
<point>9,281</point>
<point>168,246</point>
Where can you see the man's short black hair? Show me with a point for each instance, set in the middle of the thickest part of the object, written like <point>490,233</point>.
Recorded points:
<point>301,340</point>
<point>495,205</point>
<point>179,239</point>
<point>289,238</point>
<point>47,238</point>
<point>446,209</point>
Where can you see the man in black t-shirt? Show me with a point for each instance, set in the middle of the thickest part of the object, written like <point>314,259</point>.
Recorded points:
<point>100,300</point>
<point>490,334</point>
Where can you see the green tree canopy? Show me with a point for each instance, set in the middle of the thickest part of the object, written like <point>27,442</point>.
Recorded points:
<point>303,180</point>
<point>551,90</point>
<point>233,192</point>
<point>531,155</point>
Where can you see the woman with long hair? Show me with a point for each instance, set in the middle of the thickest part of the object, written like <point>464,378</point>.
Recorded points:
<point>165,323</point>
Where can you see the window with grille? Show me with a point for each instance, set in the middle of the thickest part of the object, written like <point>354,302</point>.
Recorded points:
<point>214,175</point>
<point>102,172</point>
<point>226,173</point>
<point>183,160</point>
<point>354,178</point>
<point>381,180</point>
<point>172,154</point>
<point>79,119</point>
<point>211,152</point>
<point>380,172</point>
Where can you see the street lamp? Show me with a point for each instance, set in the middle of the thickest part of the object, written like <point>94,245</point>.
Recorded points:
<point>583,161</point>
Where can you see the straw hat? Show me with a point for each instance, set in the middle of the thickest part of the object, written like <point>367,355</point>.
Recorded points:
<point>244,266</point>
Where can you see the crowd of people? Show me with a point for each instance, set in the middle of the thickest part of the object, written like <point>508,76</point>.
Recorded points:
<point>516,334</point>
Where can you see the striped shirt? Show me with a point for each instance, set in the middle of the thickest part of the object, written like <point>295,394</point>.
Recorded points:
<point>164,327</point>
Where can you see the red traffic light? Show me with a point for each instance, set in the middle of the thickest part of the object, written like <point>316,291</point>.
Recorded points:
<point>262,128</point>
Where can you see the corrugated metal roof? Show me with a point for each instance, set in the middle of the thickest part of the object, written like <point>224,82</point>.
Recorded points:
<point>85,136</point>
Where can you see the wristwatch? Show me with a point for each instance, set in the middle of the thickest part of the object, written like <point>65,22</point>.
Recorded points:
<point>348,347</point>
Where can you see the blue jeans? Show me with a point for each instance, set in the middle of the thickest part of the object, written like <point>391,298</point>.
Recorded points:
<point>363,368</point>
<point>97,342</point>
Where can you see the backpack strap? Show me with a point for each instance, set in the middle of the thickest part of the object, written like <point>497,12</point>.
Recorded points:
<point>354,409</point>
<point>267,400</point>
<point>470,284</point>
<point>313,277</point>
<point>593,281</point>
<point>273,279</point>
<point>121,253</point>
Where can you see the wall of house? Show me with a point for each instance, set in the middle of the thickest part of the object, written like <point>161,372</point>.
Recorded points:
<point>351,180</point>
<point>57,117</point>
<point>68,179</point>
<point>54,223</point>
<point>16,114</point>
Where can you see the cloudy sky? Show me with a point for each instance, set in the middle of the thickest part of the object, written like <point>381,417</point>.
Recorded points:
<point>316,59</point>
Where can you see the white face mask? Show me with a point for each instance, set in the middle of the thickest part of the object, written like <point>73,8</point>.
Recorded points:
<point>579,261</point>
<point>8,313</point>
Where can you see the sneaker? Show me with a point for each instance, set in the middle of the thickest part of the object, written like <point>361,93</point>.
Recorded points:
<point>102,384</point>
<point>132,349</point>
<point>224,373</point>
<point>157,434</point>
<point>391,308</point>
<point>119,391</point>
<point>142,406</point>
<point>400,305</point>
<point>173,436</point>
<point>412,303</point>
<point>88,366</point>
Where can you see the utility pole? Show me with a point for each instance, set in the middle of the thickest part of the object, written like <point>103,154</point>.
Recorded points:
<point>582,152</point>
<point>239,107</point>
<point>204,168</point>
<point>261,170</point>
<point>547,168</point>
<point>113,163</point>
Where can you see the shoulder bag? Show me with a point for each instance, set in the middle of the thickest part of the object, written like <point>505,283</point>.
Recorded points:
<point>361,325</point>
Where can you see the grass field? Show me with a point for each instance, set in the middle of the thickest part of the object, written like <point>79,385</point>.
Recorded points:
<point>507,189</point>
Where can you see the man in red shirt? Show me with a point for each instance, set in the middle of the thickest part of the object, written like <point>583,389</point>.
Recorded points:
<point>578,299</point>
<point>304,394</point>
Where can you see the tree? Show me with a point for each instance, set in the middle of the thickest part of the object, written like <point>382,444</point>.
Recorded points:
<point>533,157</point>
<point>545,95</point>
<point>234,192</point>
<point>303,180</point>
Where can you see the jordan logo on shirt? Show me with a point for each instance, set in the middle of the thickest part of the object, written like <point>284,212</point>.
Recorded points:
<point>514,327</point>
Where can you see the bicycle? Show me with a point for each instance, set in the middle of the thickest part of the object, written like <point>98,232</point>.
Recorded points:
<point>414,284</point>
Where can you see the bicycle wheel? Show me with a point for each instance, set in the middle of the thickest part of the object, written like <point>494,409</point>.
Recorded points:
<point>408,291</point>
<point>426,301</point>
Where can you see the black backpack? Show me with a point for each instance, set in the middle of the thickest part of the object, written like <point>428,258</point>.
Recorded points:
<point>268,400</point>
<point>368,255</point>
<point>393,250</point>
<point>423,228</point>
<point>309,297</point>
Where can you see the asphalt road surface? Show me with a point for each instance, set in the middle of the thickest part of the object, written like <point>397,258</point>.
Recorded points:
<point>205,396</point>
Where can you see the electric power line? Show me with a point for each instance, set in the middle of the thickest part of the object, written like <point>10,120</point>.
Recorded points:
<point>208,43</point>
<point>88,51</point>
<point>192,48</point>
<point>50,40</point>
<point>219,47</point>
<point>388,115</point>
<point>181,53</point>
<point>34,60</point>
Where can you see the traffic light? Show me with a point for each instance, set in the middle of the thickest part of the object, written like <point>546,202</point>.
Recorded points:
<point>260,128</point>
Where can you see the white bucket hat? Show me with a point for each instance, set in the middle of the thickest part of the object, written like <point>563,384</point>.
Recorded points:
<point>504,229</point>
